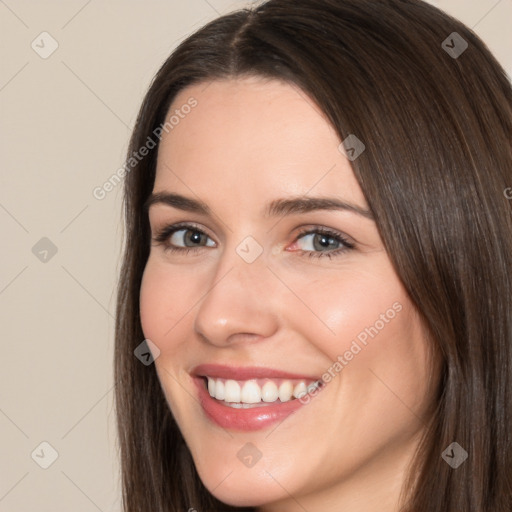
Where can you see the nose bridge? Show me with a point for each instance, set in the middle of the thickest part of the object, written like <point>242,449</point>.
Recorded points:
<point>239,298</point>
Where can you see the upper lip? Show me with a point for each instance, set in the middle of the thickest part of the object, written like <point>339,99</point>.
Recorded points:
<point>222,371</point>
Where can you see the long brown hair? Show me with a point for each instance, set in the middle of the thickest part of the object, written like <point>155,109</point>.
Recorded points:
<point>437,127</point>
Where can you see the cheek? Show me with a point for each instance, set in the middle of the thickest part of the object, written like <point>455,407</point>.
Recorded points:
<point>165,299</point>
<point>350,306</point>
<point>152,304</point>
<point>378,356</point>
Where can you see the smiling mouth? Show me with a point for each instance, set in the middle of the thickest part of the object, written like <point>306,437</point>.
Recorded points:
<point>249,398</point>
<point>246,394</point>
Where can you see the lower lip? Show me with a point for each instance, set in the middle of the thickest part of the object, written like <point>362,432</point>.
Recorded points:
<point>254,418</point>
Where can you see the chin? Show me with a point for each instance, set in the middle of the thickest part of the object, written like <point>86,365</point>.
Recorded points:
<point>241,487</point>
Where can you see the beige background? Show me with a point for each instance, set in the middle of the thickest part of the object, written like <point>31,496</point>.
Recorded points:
<point>65,124</point>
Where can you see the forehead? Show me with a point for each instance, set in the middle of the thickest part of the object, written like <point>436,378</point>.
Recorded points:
<point>252,137</point>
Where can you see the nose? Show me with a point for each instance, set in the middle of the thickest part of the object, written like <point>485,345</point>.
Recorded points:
<point>241,304</point>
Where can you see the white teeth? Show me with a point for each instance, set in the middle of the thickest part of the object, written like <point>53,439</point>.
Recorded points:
<point>219,390</point>
<point>313,386</point>
<point>239,405</point>
<point>251,393</point>
<point>285,391</point>
<point>300,390</point>
<point>243,394</point>
<point>211,387</point>
<point>235,405</point>
<point>269,392</point>
<point>232,391</point>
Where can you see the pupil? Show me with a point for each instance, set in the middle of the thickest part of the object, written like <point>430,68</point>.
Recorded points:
<point>195,237</point>
<point>324,241</point>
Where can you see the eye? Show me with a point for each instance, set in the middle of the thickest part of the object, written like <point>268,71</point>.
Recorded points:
<point>318,242</point>
<point>183,237</point>
<point>314,242</point>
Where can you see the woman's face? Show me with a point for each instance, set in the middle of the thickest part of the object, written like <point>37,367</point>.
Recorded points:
<point>266,290</point>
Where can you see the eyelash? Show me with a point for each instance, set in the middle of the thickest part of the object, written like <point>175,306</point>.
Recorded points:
<point>163,235</point>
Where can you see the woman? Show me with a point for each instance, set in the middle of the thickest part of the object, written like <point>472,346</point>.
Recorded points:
<point>318,263</point>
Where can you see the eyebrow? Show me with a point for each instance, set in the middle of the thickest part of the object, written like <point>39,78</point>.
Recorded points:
<point>296,205</point>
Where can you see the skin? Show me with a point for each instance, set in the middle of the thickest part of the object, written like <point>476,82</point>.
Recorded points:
<point>249,141</point>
